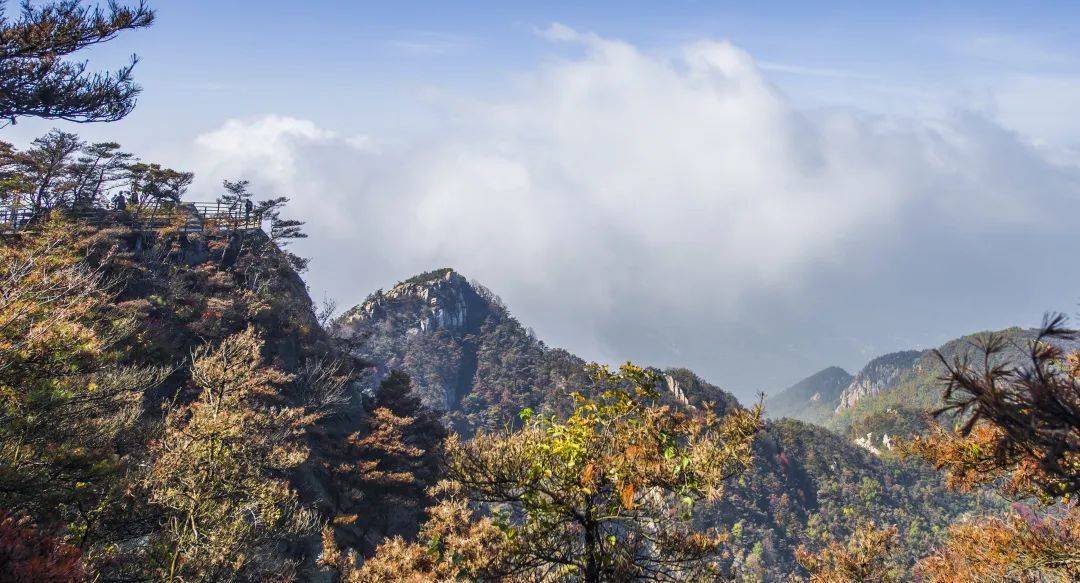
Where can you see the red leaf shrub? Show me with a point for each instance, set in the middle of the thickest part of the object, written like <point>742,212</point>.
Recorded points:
<point>30,555</point>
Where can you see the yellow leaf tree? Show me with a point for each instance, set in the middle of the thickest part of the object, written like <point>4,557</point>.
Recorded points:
<point>218,471</point>
<point>69,405</point>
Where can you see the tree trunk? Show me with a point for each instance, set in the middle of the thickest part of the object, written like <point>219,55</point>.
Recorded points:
<point>592,569</point>
<point>592,542</point>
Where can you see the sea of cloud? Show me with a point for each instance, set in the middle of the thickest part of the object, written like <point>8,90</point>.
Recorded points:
<point>679,209</point>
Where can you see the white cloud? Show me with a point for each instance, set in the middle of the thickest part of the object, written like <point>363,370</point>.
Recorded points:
<point>680,211</point>
<point>271,143</point>
<point>1041,105</point>
<point>1029,84</point>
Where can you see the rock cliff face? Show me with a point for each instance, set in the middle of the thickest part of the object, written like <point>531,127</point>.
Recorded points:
<point>687,389</point>
<point>438,300</point>
<point>882,373</point>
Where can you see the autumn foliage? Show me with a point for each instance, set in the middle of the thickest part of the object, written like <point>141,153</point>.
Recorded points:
<point>1031,410</point>
<point>218,468</point>
<point>28,555</point>
<point>1019,547</point>
<point>198,491</point>
<point>865,558</point>
<point>69,405</point>
<point>1018,427</point>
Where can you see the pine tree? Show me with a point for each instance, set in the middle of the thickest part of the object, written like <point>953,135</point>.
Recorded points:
<point>396,455</point>
<point>1017,427</point>
<point>47,165</point>
<point>37,81</point>
<point>99,169</point>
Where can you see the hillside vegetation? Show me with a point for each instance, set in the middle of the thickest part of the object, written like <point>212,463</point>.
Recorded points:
<point>173,408</point>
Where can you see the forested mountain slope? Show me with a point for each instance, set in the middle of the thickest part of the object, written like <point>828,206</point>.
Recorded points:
<point>173,409</point>
<point>329,431</point>
<point>173,381</point>
<point>470,357</point>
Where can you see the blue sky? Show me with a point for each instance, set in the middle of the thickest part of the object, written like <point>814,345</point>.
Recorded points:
<point>208,61</point>
<point>754,190</point>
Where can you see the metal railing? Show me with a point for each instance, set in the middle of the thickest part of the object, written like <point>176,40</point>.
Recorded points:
<point>15,218</point>
<point>222,217</point>
<point>188,217</point>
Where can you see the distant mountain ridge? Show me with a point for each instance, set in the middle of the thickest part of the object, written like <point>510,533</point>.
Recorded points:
<point>813,399</point>
<point>881,373</point>
<point>893,393</point>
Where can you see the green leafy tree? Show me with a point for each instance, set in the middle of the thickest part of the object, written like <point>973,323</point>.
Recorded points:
<point>37,79</point>
<point>605,494</point>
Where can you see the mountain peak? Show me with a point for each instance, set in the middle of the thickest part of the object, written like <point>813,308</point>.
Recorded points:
<point>435,275</point>
<point>441,299</point>
<point>468,356</point>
